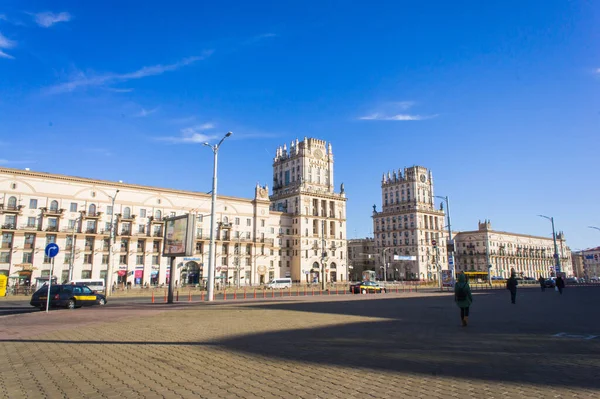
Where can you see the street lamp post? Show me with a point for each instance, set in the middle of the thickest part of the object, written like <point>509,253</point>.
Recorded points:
<point>595,267</point>
<point>450,253</point>
<point>72,260</point>
<point>557,268</point>
<point>385,263</point>
<point>211,249</point>
<point>108,278</point>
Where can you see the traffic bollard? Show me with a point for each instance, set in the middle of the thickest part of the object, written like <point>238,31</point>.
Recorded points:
<point>255,293</point>
<point>234,294</point>
<point>190,296</point>
<point>177,296</point>
<point>264,293</point>
<point>152,296</point>
<point>224,295</point>
<point>202,296</point>
<point>244,293</point>
<point>165,296</point>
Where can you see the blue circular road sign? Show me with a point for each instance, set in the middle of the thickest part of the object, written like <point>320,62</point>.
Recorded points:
<point>51,250</point>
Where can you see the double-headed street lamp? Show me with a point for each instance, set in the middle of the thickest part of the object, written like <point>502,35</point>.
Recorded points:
<point>211,249</point>
<point>557,268</point>
<point>108,287</point>
<point>594,227</point>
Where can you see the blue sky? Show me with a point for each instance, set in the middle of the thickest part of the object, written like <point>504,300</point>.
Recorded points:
<point>499,99</point>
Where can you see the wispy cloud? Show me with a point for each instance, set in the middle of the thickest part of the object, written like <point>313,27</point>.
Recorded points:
<point>8,162</point>
<point>83,80</point>
<point>99,151</point>
<point>6,44</point>
<point>393,112</point>
<point>597,71</point>
<point>398,117</point>
<point>259,38</point>
<point>145,112</point>
<point>115,90</point>
<point>47,19</point>
<point>191,135</point>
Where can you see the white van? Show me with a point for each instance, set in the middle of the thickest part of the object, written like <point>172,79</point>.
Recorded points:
<point>280,283</point>
<point>93,284</point>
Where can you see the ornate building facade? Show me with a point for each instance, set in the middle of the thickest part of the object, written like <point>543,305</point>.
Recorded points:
<point>408,226</point>
<point>529,256</point>
<point>303,187</point>
<point>257,239</point>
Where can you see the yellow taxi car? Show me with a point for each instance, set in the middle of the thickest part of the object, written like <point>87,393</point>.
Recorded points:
<point>367,287</point>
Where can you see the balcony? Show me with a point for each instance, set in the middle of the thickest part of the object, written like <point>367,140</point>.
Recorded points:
<point>141,234</point>
<point>6,245</point>
<point>129,218</point>
<point>156,220</point>
<point>125,232</point>
<point>157,234</point>
<point>202,237</point>
<point>16,209</point>
<point>91,230</point>
<point>9,226</point>
<point>91,215</point>
<point>52,228</point>
<point>28,227</point>
<point>52,212</point>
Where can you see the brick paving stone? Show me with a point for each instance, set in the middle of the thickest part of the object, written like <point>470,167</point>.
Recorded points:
<point>378,347</point>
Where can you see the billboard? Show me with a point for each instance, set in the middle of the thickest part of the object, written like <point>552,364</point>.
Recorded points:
<point>447,278</point>
<point>179,236</point>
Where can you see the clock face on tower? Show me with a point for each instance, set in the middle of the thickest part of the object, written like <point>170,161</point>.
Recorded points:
<point>318,154</point>
<point>423,178</point>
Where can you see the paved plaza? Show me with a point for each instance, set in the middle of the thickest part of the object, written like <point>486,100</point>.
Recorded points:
<point>380,346</point>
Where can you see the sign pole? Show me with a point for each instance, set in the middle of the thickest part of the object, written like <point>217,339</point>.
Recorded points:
<point>49,285</point>
<point>171,275</point>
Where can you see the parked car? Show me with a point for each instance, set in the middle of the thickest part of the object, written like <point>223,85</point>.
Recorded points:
<point>67,296</point>
<point>366,287</point>
<point>572,280</point>
<point>550,283</point>
<point>496,278</point>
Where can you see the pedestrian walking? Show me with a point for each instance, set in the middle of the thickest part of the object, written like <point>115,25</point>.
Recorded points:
<point>463,298</point>
<point>542,281</point>
<point>560,284</point>
<point>511,285</point>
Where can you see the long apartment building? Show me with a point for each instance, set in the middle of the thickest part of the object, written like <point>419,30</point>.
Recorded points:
<point>408,225</point>
<point>257,238</point>
<point>527,255</point>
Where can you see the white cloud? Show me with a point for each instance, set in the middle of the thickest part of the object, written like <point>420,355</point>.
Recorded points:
<point>399,117</point>
<point>193,134</point>
<point>115,90</point>
<point>8,162</point>
<point>83,80</point>
<point>47,19</point>
<point>390,112</point>
<point>598,71</point>
<point>258,38</point>
<point>5,43</point>
<point>145,112</point>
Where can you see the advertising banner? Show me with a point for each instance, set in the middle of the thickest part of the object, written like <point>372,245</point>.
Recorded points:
<point>447,278</point>
<point>179,236</point>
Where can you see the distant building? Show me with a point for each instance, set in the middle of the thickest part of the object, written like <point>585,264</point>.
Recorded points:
<point>361,256</point>
<point>407,226</point>
<point>529,256</point>
<point>587,262</point>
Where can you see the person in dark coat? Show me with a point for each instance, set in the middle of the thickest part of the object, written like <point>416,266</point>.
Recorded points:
<point>463,298</point>
<point>542,281</point>
<point>560,284</point>
<point>511,285</point>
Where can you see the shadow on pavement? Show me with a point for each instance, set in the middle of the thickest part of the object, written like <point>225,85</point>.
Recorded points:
<point>422,335</point>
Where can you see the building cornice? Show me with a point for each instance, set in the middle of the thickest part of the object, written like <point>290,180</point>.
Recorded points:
<point>84,180</point>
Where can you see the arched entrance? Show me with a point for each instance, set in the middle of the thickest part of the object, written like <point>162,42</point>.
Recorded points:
<point>332,272</point>
<point>191,273</point>
<point>315,273</point>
